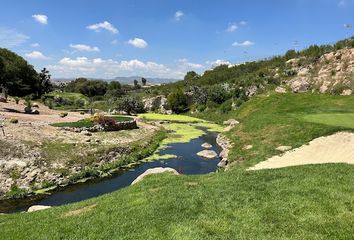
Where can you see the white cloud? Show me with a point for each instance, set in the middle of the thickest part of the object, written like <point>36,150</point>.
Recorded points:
<point>108,68</point>
<point>35,45</point>
<point>83,47</point>
<point>243,44</point>
<point>218,62</point>
<point>36,55</point>
<point>138,43</point>
<point>114,42</point>
<point>183,63</point>
<point>232,27</point>
<point>10,38</point>
<point>103,25</point>
<point>43,19</point>
<point>178,15</point>
<point>243,23</point>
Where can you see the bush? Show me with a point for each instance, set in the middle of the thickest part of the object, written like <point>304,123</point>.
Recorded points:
<point>13,120</point>
<point>130,104</point>
<point>63,114</point>
<point>226,107</point>
<point>17,100</point>
<point>177,101</point>
<point>82,113</point>
<point>217,94</point>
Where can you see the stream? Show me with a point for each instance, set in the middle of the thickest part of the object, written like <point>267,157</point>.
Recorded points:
<point>185,161</point>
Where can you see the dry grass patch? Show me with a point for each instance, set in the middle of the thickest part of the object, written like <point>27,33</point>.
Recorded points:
<point>79,211</point>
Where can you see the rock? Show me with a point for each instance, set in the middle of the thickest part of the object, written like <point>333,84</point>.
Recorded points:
<point>231,122</point>
<point>207,145</point>
<point>251,91</point>
<point>154,171</point>
<point>210,154</point>
<point>3,100</point>
<point>280,90</point>
<point>247,147</point>
<point>88,140</point>
<point>284,148</point>
<point>37,208</point>
<point>86,133</point>
<point>28,110</point>
<point>35,105</point>
<point>228,128</point>
<point>347,92</point>
<point>35,111</point>
<point>157,103</point>
<point>223,163</point>
<point>299,85</point>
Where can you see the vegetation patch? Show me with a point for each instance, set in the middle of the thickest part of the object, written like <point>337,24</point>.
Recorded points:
<point>172,117</point>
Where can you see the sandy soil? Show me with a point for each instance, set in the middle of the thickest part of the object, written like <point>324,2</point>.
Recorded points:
<point>337,148</point>
<point>12,110</point>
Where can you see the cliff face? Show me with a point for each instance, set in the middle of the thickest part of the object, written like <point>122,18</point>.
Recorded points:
<point>331,73</point>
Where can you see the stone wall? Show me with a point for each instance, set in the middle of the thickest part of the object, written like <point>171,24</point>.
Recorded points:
<point>126,125</point>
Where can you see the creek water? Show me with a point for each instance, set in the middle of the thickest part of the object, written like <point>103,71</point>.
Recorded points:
<point>186,162</point>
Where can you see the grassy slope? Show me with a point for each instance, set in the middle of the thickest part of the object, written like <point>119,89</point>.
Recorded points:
<point>284,119</point>
<point>307,202</point>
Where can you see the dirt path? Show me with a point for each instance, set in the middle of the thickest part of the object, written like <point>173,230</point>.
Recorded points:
<point>12,110</point>
<point>337,148</point>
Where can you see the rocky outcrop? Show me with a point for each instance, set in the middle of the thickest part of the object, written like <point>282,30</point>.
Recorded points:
<point>154,171</point>
<point>225,145</point>
<point>208,154</point>
<point>333,72</point>
<point>157,103</point>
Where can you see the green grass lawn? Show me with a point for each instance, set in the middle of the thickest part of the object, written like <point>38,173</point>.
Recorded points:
<point>333,119</point>
<point>305,202</point>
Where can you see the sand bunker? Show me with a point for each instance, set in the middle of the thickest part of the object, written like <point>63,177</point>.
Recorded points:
<point>337,148</point>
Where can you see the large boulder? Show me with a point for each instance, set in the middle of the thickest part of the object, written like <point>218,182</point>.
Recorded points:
<point>154,171</point>
<point>299,85</point>
<point>209,154</point>
<point>35,208</point>
<point>347,92</point>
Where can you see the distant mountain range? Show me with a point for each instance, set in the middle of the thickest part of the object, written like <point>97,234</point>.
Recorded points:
<point>126,80</point>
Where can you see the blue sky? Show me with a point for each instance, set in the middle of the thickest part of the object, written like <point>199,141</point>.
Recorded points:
<point>164,38</point>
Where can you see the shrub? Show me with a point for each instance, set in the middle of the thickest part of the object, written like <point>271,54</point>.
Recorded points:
<point>226,107</point>
<point>63,114</point>
<point>17,100</point>
<point>177,101</point>
<point>82,113</point>
<point>13,120</point>
<point>130,104</point>
<point>217,94</point>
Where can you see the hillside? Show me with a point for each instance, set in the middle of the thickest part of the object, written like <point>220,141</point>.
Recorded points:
<point>235,204</point>
<point>324,69</point>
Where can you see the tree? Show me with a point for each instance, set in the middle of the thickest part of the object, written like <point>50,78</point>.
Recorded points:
<point>17,75</point>
<point>130,104</point>
<point>94,88</point>
<point>191,76</point>
<point>143,81</point>
<point>217,94</point>
<point>44,82</point>
<point>177,101</point>
<point>135,83</point>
